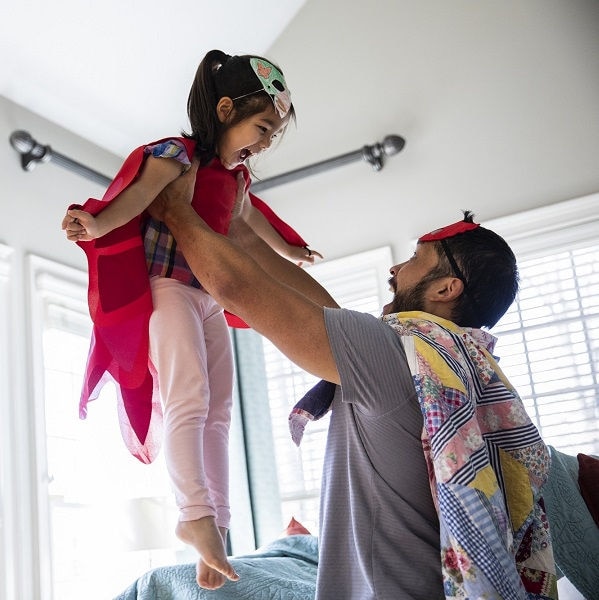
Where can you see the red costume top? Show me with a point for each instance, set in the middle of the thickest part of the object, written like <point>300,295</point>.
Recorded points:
<point>120,299</point>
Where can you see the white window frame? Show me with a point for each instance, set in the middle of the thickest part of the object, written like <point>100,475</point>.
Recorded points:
<point>49,284</point>
<point>8,496</point>
<point>568,224</point>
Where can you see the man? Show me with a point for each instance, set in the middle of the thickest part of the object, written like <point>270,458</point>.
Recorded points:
<point>433,469</point>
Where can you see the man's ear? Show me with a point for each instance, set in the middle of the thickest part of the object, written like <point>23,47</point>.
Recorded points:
<point>445,289</point>
<point>224,108</point>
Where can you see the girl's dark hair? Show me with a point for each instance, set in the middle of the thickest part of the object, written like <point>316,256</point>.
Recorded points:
<point>219,75</point>
<point>489,268</point>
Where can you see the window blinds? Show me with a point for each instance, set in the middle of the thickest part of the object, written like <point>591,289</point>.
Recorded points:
<point>549,346</point>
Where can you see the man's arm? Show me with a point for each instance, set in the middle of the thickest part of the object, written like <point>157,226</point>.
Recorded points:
<point>272,295</point>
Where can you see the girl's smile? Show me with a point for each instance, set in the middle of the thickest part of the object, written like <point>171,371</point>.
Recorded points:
<point>249,137</point>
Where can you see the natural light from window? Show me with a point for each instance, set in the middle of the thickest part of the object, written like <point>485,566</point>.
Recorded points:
<point>548,348</point>
<point>110,514</point>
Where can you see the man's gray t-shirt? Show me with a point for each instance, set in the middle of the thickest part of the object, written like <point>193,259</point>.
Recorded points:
<point>379,531</point>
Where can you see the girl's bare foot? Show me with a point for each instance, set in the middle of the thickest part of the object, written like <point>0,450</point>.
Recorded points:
<point>213,568</point>
<point>207,577</point>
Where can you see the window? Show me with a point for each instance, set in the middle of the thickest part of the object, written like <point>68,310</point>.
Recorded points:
<point>101,510</point>
<point>70,493</point>
<point>287,478</point>
<point>549,345</point>
<point>8,533</point>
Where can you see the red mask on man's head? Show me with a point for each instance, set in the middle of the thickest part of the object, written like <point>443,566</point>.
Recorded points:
<point>450,230</point>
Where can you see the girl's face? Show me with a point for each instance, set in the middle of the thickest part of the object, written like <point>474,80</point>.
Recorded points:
<point>248,137</point>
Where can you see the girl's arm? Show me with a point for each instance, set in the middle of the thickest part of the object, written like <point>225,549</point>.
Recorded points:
<point>156,174</point>
<point>271,294</point>
<point>260,224</point>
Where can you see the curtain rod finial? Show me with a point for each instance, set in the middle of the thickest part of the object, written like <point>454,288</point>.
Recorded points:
<point>31,151</point>
<point>21,141</point>
<point>392,144</point>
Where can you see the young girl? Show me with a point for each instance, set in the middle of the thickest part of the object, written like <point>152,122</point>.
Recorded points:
<point>237,105</point>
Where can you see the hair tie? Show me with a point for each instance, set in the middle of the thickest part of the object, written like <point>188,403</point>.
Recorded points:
<point>218,65</point>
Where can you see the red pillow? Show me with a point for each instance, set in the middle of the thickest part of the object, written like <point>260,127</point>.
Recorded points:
<point>588,480</point>
<point>295,527</point>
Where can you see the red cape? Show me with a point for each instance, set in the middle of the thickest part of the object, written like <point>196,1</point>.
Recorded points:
<point>120,299</point>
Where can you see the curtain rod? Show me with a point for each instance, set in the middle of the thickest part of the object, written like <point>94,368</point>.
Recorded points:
<point>373,154</point>
<point>32,153</point>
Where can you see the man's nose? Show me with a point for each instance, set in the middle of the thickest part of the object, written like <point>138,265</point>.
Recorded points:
<point>395,269</point>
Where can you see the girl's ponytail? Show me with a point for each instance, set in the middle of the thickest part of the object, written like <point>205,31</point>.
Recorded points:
<point>252,82</point>
<point>201,105</point>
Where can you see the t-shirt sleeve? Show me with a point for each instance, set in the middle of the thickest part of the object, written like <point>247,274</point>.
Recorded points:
<point>169,149</point>
<point>370,359</point>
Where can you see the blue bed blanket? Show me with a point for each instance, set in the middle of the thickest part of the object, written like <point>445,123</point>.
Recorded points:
<point>282,570</point>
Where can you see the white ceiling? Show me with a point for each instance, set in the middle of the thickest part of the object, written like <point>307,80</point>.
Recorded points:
<point>497,99</point>
<point>118,71</point>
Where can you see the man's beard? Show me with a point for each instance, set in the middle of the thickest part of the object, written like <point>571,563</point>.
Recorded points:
<point>408,300</point>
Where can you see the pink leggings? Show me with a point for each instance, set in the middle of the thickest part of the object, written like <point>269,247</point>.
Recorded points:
<point>190,348</point>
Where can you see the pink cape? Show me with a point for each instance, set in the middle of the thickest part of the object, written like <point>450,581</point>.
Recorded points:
<point>120,300</point>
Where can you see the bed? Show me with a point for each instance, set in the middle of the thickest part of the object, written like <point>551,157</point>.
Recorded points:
<point>572,501</point>
<point>285,569</point>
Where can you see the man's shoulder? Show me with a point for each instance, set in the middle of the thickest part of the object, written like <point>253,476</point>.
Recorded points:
<point>350,315</point>
<point>360,327</point>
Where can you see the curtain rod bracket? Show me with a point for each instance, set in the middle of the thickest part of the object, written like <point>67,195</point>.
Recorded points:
<point>31,151</point>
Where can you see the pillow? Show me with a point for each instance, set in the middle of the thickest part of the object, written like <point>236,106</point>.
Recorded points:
<point>573,530</point>
<point>588,480</point>
<point>295,528</point>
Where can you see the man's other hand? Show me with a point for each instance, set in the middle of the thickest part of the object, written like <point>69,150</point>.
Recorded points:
<point>180,190</point>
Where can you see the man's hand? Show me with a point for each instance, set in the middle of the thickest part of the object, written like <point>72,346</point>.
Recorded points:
<point>180,190</point>
<point>243,204</point>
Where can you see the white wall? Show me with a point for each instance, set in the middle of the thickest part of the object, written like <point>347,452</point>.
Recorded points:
<point>32,204</point>
<point>31,209</point>
<point>497,100</point>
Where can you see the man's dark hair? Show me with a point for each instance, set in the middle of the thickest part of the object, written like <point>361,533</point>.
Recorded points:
<point>490,274</point>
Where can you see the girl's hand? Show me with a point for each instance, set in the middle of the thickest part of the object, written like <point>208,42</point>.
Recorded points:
<point>302,255</point>
<point>80,226</point>
<point>179,190</point>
